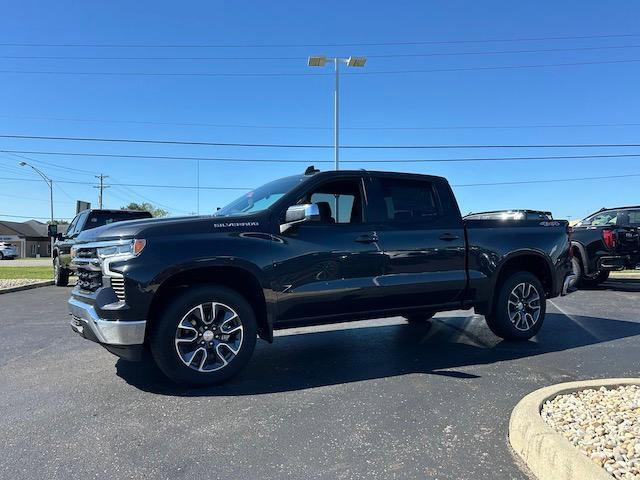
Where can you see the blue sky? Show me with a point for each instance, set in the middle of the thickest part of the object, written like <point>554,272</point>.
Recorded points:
<point>439,103</point>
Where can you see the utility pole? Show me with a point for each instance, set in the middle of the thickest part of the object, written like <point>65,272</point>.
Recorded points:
<point>102,186</point>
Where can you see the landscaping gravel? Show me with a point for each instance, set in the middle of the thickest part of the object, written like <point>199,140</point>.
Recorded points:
<point>604,424</point>
<point>17,282</point>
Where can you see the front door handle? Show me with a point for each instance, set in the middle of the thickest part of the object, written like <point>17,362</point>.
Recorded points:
<point>367,238</point>
<point>448,237</point>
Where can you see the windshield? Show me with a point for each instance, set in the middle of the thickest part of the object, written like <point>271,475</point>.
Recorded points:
<point>262,197</point>
<point>612,217</point>
<point>99,219</point>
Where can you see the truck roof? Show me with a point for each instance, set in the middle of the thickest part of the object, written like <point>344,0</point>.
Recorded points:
<point>376,172</point>
<point>113,210</point>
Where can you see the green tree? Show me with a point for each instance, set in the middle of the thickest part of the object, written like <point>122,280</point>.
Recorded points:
<point>58,222</point>
<point>147,207</point>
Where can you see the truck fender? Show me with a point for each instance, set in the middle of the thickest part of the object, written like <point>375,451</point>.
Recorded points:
<point>266,332</point>
<point>511,257</point>
<point>583,255</point>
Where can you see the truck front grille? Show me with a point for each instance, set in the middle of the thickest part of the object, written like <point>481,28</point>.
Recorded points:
<point>89,280</point>
<point>117,283</point>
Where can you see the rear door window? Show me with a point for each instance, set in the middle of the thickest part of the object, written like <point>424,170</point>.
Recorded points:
<point>409,201</point>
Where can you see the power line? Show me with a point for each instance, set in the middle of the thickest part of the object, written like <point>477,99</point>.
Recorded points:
<point>49,164</point>
<point>303,74</point>
<point>307,45</point>
<point>33,198</point>
<point>72,182</point>
<point>129,191</point>
<point>33,217</point>
<point>578,179</point>
<point>301,58</point>
<point>311,127</point>
<point>275,145</point>
<point>307,161</point>
<point>192,187</point>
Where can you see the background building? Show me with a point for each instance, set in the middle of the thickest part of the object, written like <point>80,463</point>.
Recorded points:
<point>29,237</point>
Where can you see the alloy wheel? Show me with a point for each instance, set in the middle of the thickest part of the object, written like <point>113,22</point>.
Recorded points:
<point>209,337</point>
<point>524,306</point>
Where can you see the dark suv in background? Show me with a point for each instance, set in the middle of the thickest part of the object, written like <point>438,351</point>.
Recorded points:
<point>604,241</point>
<point>84,220</point>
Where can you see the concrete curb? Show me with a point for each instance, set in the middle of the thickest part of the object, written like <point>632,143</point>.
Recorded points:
<point>44,283</point>
<point>548,454</point>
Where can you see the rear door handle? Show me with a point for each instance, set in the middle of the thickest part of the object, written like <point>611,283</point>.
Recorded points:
<point>367,238</point>
<point>449,237</point>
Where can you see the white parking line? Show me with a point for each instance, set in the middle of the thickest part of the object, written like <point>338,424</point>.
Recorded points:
<point>577,322</point>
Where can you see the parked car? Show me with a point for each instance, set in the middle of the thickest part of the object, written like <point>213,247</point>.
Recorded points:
<point>7,251</point>
<point>510,215</point>
<point>302,250</point>
<point>606,240</point>
<point>85,220</point>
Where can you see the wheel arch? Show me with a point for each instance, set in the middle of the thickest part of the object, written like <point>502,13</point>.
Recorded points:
<point>239,278</point>
<point>530,261</point>
<point>580,251</point>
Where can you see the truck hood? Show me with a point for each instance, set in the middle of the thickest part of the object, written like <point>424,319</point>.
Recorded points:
<point>151,227</point>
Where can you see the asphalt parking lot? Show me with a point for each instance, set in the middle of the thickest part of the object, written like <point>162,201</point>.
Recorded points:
<point>375,399</point>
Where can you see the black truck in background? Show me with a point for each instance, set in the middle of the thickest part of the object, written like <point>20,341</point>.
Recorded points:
<point>85,220</point>
<point>605,241</point>
<point>196,292</point>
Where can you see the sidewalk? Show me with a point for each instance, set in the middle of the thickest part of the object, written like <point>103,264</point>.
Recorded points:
<point>26,262</point>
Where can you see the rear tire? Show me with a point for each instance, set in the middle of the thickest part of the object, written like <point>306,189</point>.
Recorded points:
<point>519,308</point>
<point>192,342</point>
<point>418,318</point>
<point>60,274</point>
<point>1,256</point>
<point>595,279</point>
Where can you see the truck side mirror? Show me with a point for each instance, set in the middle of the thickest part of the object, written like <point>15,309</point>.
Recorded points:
<point>59,236</point>
<point>296,214</point>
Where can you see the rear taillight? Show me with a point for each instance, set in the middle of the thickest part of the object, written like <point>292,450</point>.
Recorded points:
<point>609,238</point>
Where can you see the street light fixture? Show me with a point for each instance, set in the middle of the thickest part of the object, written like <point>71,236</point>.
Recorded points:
<point>50,184</point>
<point>321,61</point>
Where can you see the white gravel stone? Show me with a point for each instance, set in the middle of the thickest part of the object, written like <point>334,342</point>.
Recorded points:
<point>17,282</point>
<point>603,424</point>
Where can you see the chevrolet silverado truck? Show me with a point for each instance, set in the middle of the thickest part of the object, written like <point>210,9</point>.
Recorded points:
<point>85,220</point>
<point>605,241</point>
<point>194,293</point>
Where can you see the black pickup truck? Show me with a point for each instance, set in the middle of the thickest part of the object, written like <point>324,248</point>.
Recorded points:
<point>606,240</point>
<point>85,220</point>
<point>317,248</point>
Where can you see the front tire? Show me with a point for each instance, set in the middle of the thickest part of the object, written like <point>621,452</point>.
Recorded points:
<point>204,336</point>
<point>60,274</point>
<point>519,308</point>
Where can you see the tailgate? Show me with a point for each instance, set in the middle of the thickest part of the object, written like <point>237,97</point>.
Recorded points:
<point>627,239</point>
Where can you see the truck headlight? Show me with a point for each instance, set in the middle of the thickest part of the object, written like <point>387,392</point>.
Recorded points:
<point>131,247</point>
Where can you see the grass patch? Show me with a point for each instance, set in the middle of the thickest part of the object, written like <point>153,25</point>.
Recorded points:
<point>36,273</point>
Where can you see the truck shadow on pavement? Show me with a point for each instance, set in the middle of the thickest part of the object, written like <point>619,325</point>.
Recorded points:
<point>440,347</point>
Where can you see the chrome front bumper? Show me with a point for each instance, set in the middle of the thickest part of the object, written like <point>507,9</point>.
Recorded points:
<point>108,332</point>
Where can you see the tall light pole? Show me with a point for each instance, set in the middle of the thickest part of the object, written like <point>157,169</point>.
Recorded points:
<point>50,184</point>
<point>321,61</point>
